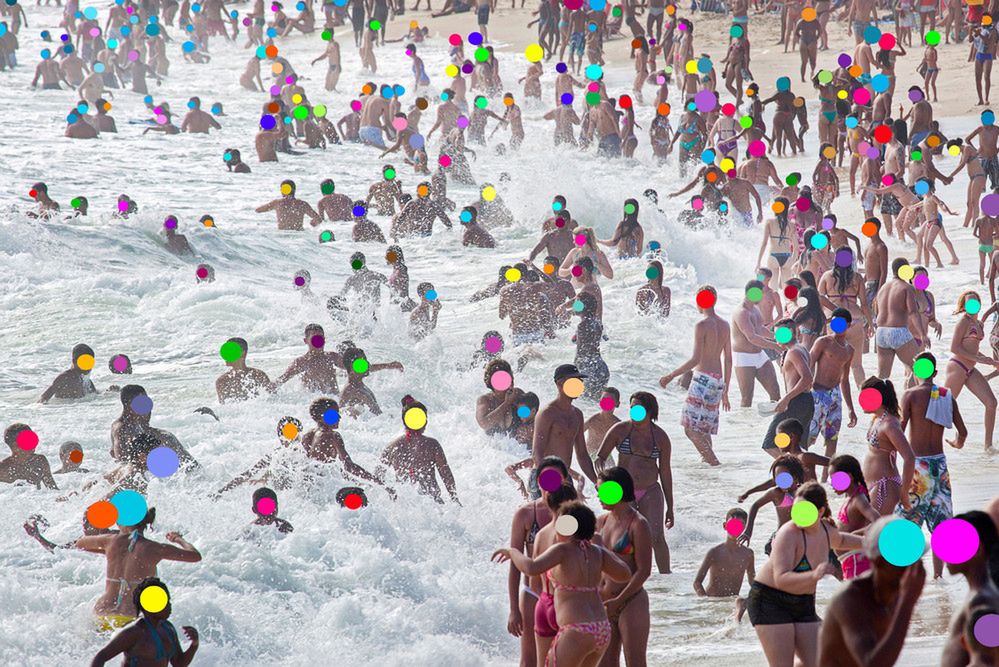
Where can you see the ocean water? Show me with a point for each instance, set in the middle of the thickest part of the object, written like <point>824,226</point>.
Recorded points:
<point>406,582</point>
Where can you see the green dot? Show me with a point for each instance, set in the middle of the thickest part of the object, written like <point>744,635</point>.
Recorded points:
<point>389,174</point>
<point>754,294</point>
<point>356,264</point>
<point>923,368</point>
<point>326,237</point>
<point>75,202</point>
<point>825,77</point>
<point>932,38</point>
<point>916,156</point>
<point>301,113</point>
<point>230,351</point>
<point>376,25</point>
<point>616,11</point>
<point>783,335</point>
<point>319,111</point>
<point>327,188</point>
<point>482,54</point>
<point>629,208</point>
<point>481,102</point>
<point>804,513</point>
<point>746,121</point>
<point>360,365</point>
<point>972,306</point>
<point>652,273</point>
<point>610,493</point>
<point>593,98</point>
<point>792,179</point>
<point>326,35</point>
<point>735,31</point>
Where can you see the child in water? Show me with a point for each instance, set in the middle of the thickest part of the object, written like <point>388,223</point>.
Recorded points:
<point>725,564</point>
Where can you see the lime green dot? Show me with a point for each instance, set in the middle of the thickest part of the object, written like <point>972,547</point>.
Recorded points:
<point>319,111</point>
<point>610,493</point>
<point>301,113</point>
<point>825,77</point>
<point>932,38</point>
<point>754,294</point>
<point>916,156</point>
<point>375,25</point>
<point>230,351</point>
<point>804,513</point>
<point>923,368</point>
<point>482,54</point>
<point>746,121</point>
<point>326,35</point>
<point>360,365</point>
<point>593,99</point>
<point>783,335</point>
<point>75,202</point>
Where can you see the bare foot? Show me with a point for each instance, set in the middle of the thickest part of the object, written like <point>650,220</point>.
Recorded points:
<point>955,262</point>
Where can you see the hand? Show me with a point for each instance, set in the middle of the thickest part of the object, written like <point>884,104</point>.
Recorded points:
<point>665,380</point>
<point>726,406</point>
<point>781,406</point>
<point>174,537</point>
<point>500,556</point>
<point>191,633</point>
<point>515,623</point>
<point>822,570</point>
<point>614,606</point>
<point>397,365</point>
<point>957,443</point>
<point>669,518</point>
<point>742,497</point>
<point>853,419</point>
<point>912,581</point>
<point>744,539</point>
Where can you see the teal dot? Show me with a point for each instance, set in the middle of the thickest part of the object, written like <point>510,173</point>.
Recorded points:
<point>901,543</point>
<point>783,335</point>
<point>972,306</point>
<point>637,413</point>
<point>819,241</point>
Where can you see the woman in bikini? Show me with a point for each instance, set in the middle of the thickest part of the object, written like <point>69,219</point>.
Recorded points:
<point>783,117</point>
<point>628,235</point>
<point>627,533</point>
<point>722,137</point>
<point>586,250</point>
<point>691,134</point>
<point>842,287</point>
<point>976,181</point>
<point>961,369</point>
<point>885,441</point>
<point>855,514</point>
<point>778,234</point>
<point>644,451</point>
<point>781,601</point>
<point>527,522</point>
<point>574,566</point>
<point>810,319</point>
<point>926,304</point>
<point>825,182</point>
<point>827,111</point>
<point>654,297</point>
<point>816,261</point>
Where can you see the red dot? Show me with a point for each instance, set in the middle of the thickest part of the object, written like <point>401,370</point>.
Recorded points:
<point>27,440</point>
<point>791,292</point>
<point>887,41</point>
<point>353,501</point>
<point>870,399</point>
<point>882,134</point>
<point>33,193</point>
<point>625,102</point>
<point>706,299</point>
<point>728,109</point>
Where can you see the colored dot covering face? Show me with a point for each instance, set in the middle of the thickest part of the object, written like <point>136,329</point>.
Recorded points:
<point>754,295</point>
<point>784,480</point>
<point>85,362</point>
<point>972,306</point>
<point>76,456</point>
<point>27,440</point>
<point>501,381</point>
<point>102,514</point>
<point>512,275</point>
<point>353,501</point>
<point>906,272</point>
<point>840,480</point>
<point>870,399</point>
<point>266,506</point>
<point>566,525</point>
<point>153,599</point>
<point>706,299</point>
<point>523,411</point>
<point>331,417</point>
<point>550,479</point>
<point>131,507</point>
<point>955,541</point>
<point>783,335</point>
<point>610,493</point>
<point>782,440</point>
<point>990,204</point>
<point>652,273</point>
<point>493,344</point>
<point>573,387</point>
<point>360,365</point>
<point>734,527</point>
<point>923,368</point>
<point>162,462</point>
<point>141,405</point>
<point>230,351</point>
<point>804,513</point>
<point>901,543</point>
<point>289,431</point>
<point>415,419</point>
<point>638,413</point>
<point>607,404</point>
<point>987,630</point>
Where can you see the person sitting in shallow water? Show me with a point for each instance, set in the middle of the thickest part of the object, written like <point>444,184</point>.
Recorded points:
<point>474,235</point>
<point>265,507</point>
<point>241,382</point>
<point>75,382</point>
<point>70,455</point>
<point>24,464</point>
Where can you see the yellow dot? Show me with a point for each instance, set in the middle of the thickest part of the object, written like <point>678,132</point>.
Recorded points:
<point>906,272</point>
<point>296,98</point>
<point>153,599</point>
<point>512,275</point>
<point>727,165</point>
<point>842,94</point>
<point>289,431</point>
<point>691,67</point>
<point>573,387</point>
<point>415,419</point>
<point>954,150</point>
<point>85,362</point>
<point>782,440</point>
<point>534,52</point>
<point>451,70</point>
<point>413,25</point>
<point>489,193</point>
<point>829,153</point>
<point>285,189</point>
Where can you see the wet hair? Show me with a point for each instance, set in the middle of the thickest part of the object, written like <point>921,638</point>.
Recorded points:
<point>791,464</point>
<point>586,520</point>
<point>843,274</point>
<point>129,392</point>
<point>844,313</point>
<point>812,311</point>
<point>423,288</point>
<point>791,427</point>
<point>400,258</point>
<point>494,366</point>
<point>649,402</point>
<point>875,221</point>
<point>81,349</point>
<point>897,264</point>
<point>851,466</point>
<point>737,513</point>
<point>69,446</point>
<point>631,219</point>
<point>765,271</point>
<point>807,279</point>
<point>754,283</point>
<point>782,220</point>
<point>290,183</point>
<point>319,407</point>
<point>622,477</point>
<point>11,432</point>
<point>889,400</point>
<point>260,494</point>
<point>815,493</point>
<point>614,393</point>
<point>143,585</point>
<point>531,400</point>
<point>554,462</point>
<point>560,496</point>
<point>243,346</point>
<point>408,402</point>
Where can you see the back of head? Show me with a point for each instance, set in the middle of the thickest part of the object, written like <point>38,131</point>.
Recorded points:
<point>11,432</point>
<point>560,496</point>
<point>586,520</point>
<point>319,407</point>
<point>142,586</point>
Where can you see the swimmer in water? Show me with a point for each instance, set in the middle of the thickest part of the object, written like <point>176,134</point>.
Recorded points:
<point>197,121</point>
<point>234,161</point>
<point>70,456</point>
<point>416,458</point>
<point>356,394</point>
<point>176,243</point>
<point>317,366</point>
<point>291,211</point>
<point>24,464</point>
<point>265,507</point>
<point>241,382</point>
<point>74,383</point>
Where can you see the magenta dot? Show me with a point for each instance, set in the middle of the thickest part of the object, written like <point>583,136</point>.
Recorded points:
<point>275,90</point>
<point>734,527</point>
<point>955,541</point>
<point>493,344</point>
<point>593,87</point>
<point>202,273</point>
<point>462,122</point>
<point>606,403</point>
<point>299,280</point>
<point>550,479</point>
<point>921,281</point>
<point>757,148</point>
<point>120,364</point>
<point>501,380</point>
<point>266,506</point>
<point>577,271</point>
<point>580,239</point>
<point>887,180</point>
<point>27,440</point>
<point>840,480</point>
<point>317,341</point>
<point>454,39</point>
<point>445,161</point>
<point>803,204</point>
<point>355,105</point>
<point>861,96</point>
<point>123,206</point>
<point>697,203</point>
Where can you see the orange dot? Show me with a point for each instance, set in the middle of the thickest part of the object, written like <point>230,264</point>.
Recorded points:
<point>423,191</point>
<point>271,51</point>
<point>778,207</point>
<point>808,13</point>
<point>711,177</point>
<point>986,20</point>
<point>855,70</point>
<point>749,92</point>
<point>548,268</point>
<point>636,43</point>
<point>670,9</point>
<point>663,109</point>
<point>933,141</point>
<point>367,90</point>
<point>289,431</point>
<point>869,229</point>
<point>76,456</point>
<point>273,107</point>
<point>508,101</point>
<point>102,514</point>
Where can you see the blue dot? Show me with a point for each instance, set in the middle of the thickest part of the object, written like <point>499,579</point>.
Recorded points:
<point>654,245</point>
<point>72,118</point>
<point>189,27</point>
<point>267,122</point>
<point>388,92</point>
<point>90,13</point>
<point>191,104</point>
<point>46,53</point>
<point>567,98</point>
<point>340,3</point>
<point>142,405</point>
<point>901,543</point>
<point>233,14</point>
<point>871,34</point>
<point>637,413</point>
<point>272,33</point>
<point>783,84</point>
<point>416,141</point>
<point>148,99</point>
<point>125,31</point>
<point>523,412</point>
<point>99,67</point>
<point>358,211</point>
<point>475,38</point>
<point>331,417</point>
<point>723,207</point>
<point>921,187</point>
<point>708,156</point>
<point>598,5</point>
<point>988,118</point>
<point>431,295</point>
<point>838,324</point>
<point>163,462</point>
<point>851,122</point>
<point>399,90</point>
<point>784,480</point>
<point>131,507</point>
<point>300,6</point>
<point>592,27</point>
<point>188,46</point>
<point>880,83</point>
<point>195,8</point>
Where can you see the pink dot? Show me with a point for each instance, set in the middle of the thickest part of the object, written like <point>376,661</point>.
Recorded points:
<point>399,124</point>
<point>120,364</point>
<point>501,380</point>
<point>840,480</point>
<point>355,105</point>
<point>756,148</point>
<point>728,109</point>
<point>123,206</point>
<point>94,32</point>
<point>445,161</point>
<point>266,506</point>
<point>27,440</point>
<point>682,26</point>
<point>734,527</point>
<point>276,90</point>
<point>493,344</point>
<point>593,87</point>
<point>161,119</point>
<point>870,399</point>
<point>955,541</point>
<point>697,203</point>
<point>580,239</point>
<point>861,96</point>
<point>921,281</point>
<point>887,41</point>
<point>454,39</point>
<point>133,56</point>
<point>577,271</point>
<point>606,403</point>
<point>887,180</point>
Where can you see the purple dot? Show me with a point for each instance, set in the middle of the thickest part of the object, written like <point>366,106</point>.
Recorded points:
<point>142,405</point>
<point>275,90</point>
<point>844,60</point>
<point>844,258</point>
<point>317,341</point>
<point>561,68</point>
<point>840,480</point>
<point>990,204</point>
<point>162,462</point>
<point>706,101</point>
<point>987,630</point>
<point>467,68</point>
<point>550,479</point>
<point>827,223</point>
<point>493,344</point>
<point>921,281</point>
<point>915,95</point>
<point>955,541</point>
<point>267,122</point>
<point>299,280</point>
<point>873,153</point>
<point>462,122</point>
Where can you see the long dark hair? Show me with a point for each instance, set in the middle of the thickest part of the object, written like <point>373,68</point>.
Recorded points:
<point>811,312</point>
<point>851,466</point>
<point>843,274</point>
<point>782,216</point>
<point>889,400</point>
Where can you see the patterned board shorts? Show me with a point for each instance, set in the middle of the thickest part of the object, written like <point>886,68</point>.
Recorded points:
<point>828,415</point>
<point>929,493</point>
<point>700,412</point>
